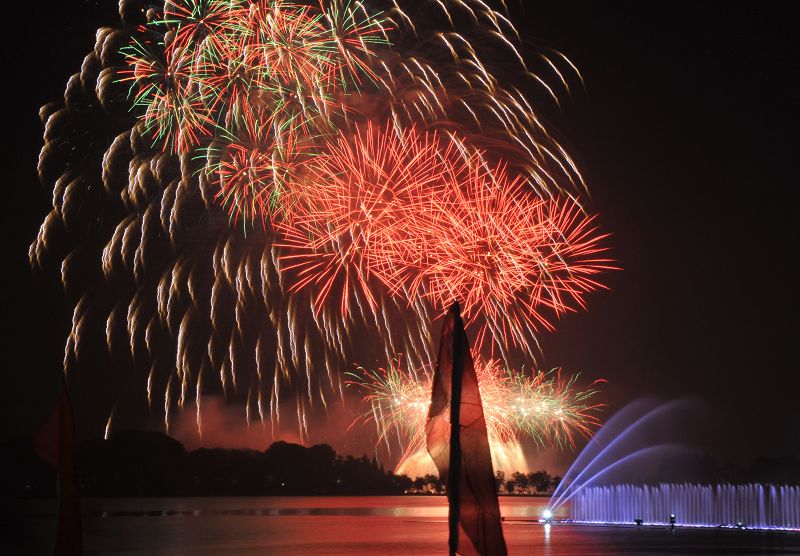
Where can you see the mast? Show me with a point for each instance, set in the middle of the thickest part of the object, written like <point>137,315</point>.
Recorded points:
<point>454,475</point>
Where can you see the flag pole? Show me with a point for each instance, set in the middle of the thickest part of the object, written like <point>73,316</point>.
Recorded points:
<point>457,440</point>
<point>54,442</point>
<point>454,475</point>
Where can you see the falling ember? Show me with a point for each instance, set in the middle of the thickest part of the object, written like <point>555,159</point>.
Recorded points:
<point>107,432</point>
<point>198,418</point>
<point>542,407</point>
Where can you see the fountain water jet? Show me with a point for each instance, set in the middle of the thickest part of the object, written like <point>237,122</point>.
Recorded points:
<point>611,440</point>
<point>751,506</point>
<point>631,435</point>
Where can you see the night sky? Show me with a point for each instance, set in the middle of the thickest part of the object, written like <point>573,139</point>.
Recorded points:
<point>686,135</point>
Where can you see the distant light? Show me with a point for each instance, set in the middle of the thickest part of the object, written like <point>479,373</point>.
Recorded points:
<point>547,515</point>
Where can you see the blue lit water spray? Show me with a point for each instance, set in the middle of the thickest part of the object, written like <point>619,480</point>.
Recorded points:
<point>623,442</point>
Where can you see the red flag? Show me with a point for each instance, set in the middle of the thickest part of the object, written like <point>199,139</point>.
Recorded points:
<point>460,447</point>
<point>55,443</point>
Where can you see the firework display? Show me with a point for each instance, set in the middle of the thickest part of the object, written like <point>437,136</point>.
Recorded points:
<point>543,408</point>
<point>251,196</point>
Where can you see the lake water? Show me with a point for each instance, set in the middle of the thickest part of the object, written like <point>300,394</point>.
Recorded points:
<point>407,525</point>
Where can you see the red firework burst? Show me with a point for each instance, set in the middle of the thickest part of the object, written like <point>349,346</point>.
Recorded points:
<point>512,259</point>
<point>289,42</point>
<point>354,203</point>
<point>195,21</point>
<point>254,169</point>
<point>174,113</point>
<point>413,212</point>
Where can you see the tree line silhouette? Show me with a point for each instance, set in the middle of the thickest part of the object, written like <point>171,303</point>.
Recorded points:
<point>139,463</point>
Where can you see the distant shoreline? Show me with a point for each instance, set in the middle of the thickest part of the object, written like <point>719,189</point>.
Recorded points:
<point>244,495</point>
<point>146,464</point>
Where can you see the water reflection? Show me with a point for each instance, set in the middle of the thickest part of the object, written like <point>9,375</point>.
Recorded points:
<point>350,525</point>
<point>427,507</point>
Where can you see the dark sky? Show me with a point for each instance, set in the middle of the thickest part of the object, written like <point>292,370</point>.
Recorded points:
<point>686,136</point>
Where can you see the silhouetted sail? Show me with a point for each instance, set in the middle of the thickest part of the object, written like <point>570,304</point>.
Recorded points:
<point>55,444</point>
<point>460,446</point>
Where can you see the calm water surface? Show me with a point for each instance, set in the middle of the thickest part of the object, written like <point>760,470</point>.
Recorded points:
<point>351,525</point>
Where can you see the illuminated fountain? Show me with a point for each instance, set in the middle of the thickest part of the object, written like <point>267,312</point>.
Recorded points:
<point>618,445</point>
<point>751,506</point>
<point>596,487</point>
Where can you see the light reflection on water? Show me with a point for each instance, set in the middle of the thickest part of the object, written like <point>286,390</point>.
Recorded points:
<point>399,525</point>
<point>434,507</point>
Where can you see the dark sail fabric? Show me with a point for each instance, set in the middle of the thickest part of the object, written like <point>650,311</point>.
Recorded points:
<point>460,447</point>
<point>55,444</point>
